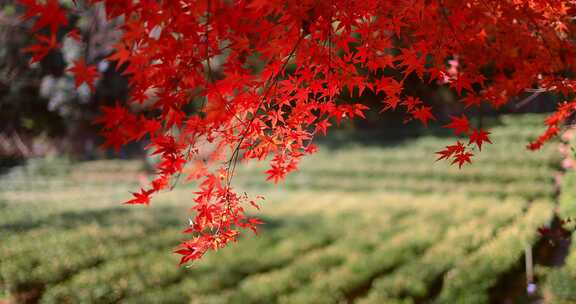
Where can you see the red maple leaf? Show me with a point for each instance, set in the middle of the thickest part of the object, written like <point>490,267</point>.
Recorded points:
<point>390,103</point>
<point>411,102</point>
<point>450,150</point>
<point>461,158</point>
<point>142,197</point>
<point>322,126</point>
<point>478,136</point>
<point>42,48</point>
<point>253,222</point>
<point>84,74</point>
<point>472,100</point>
<point>75,34</point>
<point>50,14</point>
<point>459,124</point>
<point>112,116</point>
<point>121,55</point>
<point>423,114</point>
<point>461,82</point>
<point>276,173</point>
<point>191,250</point>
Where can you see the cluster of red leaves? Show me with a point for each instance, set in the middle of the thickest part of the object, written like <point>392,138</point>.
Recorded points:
<point>554,123</point>
<point>266,77</point>
<point>51,15</point>
<point>459,153</point>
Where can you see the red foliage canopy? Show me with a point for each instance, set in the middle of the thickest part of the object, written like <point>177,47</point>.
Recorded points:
<point>266,77</point>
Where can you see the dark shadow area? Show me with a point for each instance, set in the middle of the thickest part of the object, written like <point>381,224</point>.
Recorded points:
<point>433,291</point>
<point>29,293</point>
<point>69,219</point>
<point>396,134</point>
<point>115,216</point>
<point>511,287</point>
<point>7,163</point>
<point>552,250</point>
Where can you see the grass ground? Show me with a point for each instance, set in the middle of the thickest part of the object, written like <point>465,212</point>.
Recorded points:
<point>360,222</point>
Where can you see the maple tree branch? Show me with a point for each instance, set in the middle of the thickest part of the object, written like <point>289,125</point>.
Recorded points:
<point>205,100</point>
<point>538,31</point>
<point>445,17</point>
<point>527,100</point>
<point>232,162</point>
<point>231,166</point>
<point>209,66</point>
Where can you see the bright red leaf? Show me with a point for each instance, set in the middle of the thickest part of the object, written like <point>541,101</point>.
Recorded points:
<point>459,124</point>
<point>42,48</point>
<point>479,136</point>
<point>142,197</point>
<point>462,158</point>
<point>449,151</point>
<point>48,13</point>
<point>84,74</point>
<point>423,114</point>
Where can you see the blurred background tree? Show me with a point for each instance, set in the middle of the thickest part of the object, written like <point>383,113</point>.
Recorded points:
<point>41,112</point>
